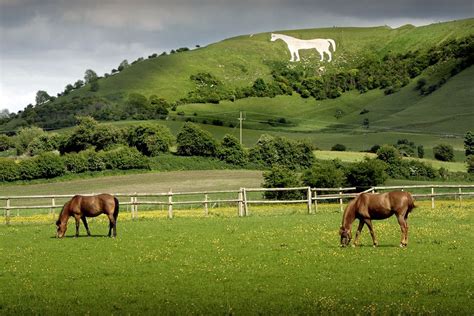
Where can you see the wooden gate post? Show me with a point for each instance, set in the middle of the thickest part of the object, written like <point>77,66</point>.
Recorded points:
<point>7,213</point>
<point>432,199</point>
<point>246,208</point>
<point>170,204</point>
<point>53,205</point>
<point>240,206</point>
<point>340,199</point>
<point>315,200</point>
<point>310,195</point>
<point>206,210</point>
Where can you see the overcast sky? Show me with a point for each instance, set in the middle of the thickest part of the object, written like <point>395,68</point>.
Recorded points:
<point>47,44</point>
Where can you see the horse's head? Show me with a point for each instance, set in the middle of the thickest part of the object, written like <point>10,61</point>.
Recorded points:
<point>60,228</point>
<point>346,236</point>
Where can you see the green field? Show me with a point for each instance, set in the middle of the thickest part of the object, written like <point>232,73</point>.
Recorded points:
<point>277,261</point>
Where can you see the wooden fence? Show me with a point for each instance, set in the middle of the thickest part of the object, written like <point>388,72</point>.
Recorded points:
<point>312,197</point>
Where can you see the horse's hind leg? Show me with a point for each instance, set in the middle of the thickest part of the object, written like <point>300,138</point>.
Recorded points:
<point>404,228</point>
<point>371,229</point>
<point>84,221</point>
<point>112,225</point>
<point>359,230</point>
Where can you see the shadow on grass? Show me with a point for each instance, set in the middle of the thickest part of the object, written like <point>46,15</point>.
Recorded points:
<point>83,236</point>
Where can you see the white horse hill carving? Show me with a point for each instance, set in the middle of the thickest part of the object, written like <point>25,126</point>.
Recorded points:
<point>294,45</point>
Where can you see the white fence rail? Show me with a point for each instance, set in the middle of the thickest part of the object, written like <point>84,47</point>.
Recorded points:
<point>312,197</point>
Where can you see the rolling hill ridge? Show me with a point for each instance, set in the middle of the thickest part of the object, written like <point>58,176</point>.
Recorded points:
<point>237,63</point>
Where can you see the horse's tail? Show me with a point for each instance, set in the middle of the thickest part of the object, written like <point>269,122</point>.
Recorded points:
<point>116,208</point>
<point>333,43</point>
<point>411,203</point>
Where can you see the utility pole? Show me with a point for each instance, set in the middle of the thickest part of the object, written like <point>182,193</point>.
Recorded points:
<point>240,121</point>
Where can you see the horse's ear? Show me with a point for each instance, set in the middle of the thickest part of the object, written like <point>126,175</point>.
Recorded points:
<point>341,230</point>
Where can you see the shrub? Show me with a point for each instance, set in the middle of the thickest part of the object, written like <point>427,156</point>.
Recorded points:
<point>124,158</point>
<point>50,165</point>
<point>25,136</point>
<point>150,140</point>
<point>271,151</point>
<point>324,175</point>
<point>367,173</point>
<point>29,169</point>
<point>9,170</point>
<point>468,144</point>
<point>5,142</point>
<point>374,149</point>
<point>470,164</point>
<point>43,143</point>
<point>94,161</point>
<point>338,147</point>
<point>388,154</point>
<point>405,147</point>
<point>106,136</point>
<point>76,162</point>
<point>193,141</point>
<point>281,177</point>
<point>443,152</point>
<point>231,151</point>
<point>421,151</point>
<point>419,170</point>
<point>81,137</point>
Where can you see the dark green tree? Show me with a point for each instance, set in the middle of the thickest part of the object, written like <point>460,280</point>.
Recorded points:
<point>443,152</point>
<point>231,151</point>
<point>281,177</point>
<point>194,141</point>
<point>469,144</point>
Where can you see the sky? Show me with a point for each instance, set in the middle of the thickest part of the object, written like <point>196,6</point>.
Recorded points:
<point>47,44</point>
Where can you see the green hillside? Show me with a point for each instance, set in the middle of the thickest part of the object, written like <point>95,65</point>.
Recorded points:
<point>240,60</point>
<point>355,119</point>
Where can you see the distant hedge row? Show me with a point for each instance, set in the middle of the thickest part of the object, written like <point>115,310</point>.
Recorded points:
<point>50,165</point>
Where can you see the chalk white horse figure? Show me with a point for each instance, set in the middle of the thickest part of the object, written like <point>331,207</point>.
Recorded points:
<point>294,45</point>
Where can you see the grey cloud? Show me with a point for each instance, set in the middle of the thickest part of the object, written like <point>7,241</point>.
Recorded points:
<point>99,34</point>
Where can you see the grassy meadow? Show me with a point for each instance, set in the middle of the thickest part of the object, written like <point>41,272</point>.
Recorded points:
<point>278,260</point>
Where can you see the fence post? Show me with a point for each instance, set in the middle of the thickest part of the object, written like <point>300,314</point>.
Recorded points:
<point>206,210</point>
<point>432,199</point>
<point>170,204</point>
<point>315,200</point>
<point>309,201</point>
<point>460,197</point>
<point>340,199</point>
<point>7,213</point>
<point>132,207</point>
<point>53,205</point>
<point>240,203</point>
<point>246,208</point>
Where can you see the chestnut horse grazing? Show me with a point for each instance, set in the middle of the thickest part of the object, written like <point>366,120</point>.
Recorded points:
<point>369,206</point>
<point>88,206</point>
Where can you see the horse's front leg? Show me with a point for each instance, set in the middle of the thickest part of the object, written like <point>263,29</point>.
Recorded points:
<point>84,221</point>
<point>371,229</point>
<point>359,230</point>
<point>77,218</point>
<point>404,228</point>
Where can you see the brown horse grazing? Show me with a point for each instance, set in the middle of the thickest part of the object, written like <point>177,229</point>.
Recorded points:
<point>88,206</point>
<point>369,206</point>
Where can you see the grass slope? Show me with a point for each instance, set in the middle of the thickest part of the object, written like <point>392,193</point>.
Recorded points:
<point>240,60</point>
<point>288,264</point>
